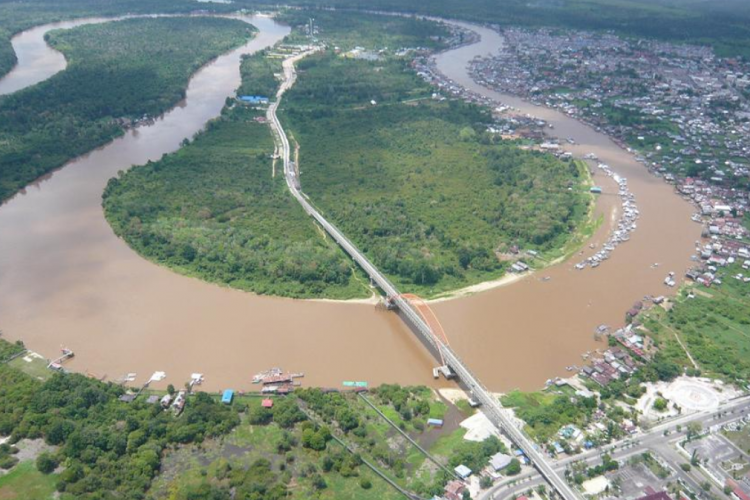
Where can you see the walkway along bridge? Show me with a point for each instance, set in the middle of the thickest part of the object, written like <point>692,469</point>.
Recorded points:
<point>409,312</point>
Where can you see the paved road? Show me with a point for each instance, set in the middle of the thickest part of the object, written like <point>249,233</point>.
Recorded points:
<point>651,440</point>
<point>491,406</point>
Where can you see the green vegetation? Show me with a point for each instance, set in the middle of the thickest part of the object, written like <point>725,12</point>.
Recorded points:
<point>213,210</point>
<point>269,460</point>
<point>417,184</point>
<point>660,404</point>
<point>653,465</point>
<point>8,350</point>
<point>106,448</point>
<point>741,438</point>
<point>106,445</point>
<point>545,414</point>
<point>25,482</point>
<point>7,460</point>
<point>724,25</point>
<point>118,72</point>
<point>258,74</point>
<point>16,16</point>
<point>713,325</point>
<point>371,31</point>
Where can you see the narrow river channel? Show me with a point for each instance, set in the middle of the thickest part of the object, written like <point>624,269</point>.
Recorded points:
<point>67,280</point>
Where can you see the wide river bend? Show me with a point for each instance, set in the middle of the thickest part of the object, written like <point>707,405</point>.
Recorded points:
<point>67,280</point>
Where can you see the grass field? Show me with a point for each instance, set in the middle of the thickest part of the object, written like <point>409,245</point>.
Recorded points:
<point>185,470</point>
<point>741,438</point>
<point>714,326</point>
<point>36,367</point>
<point>24,482</point>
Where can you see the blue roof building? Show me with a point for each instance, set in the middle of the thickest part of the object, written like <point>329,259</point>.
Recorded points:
<point>254,99</point>
<point>227,397</point>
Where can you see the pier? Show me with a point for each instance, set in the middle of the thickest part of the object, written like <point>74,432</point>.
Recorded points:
<point>56,364</point>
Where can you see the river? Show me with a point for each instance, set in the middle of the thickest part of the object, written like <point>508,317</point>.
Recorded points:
<point>67,280</point>
<point>518,335</point>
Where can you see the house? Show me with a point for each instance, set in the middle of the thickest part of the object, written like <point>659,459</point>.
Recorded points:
<point>454,490</point>
<point>227,397</point>
<point>127,398</point>
<point>462,471</point>
<point>152,400</point>
<point>267,403</point>
<point>499,461</point>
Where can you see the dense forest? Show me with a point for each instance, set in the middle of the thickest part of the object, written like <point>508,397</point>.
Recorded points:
<point>214,210</point>
<point>117,72</point>
<point>109,449</point>
<point>371,31</point>
<point>258,73</point>
<point>18,15</point>
<point>417,183</point>
<point>723,25</point>
<point>76,436</point>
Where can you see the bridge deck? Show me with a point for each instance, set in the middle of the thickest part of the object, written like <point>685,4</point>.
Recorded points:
<point>490,403</point>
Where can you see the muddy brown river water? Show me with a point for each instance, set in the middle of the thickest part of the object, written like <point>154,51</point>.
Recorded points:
<point>67,280</point>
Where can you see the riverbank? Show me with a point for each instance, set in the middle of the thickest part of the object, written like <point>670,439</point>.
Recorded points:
<point>121,314</point>
<point>559,316</point>
<point>53,121</point>
<point>574,243</point>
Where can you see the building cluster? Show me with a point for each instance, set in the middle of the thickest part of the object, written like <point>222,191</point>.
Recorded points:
<point>684,111</point>
<point>613,364</point>
<point>507,125</point>
<point>721,209</point>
